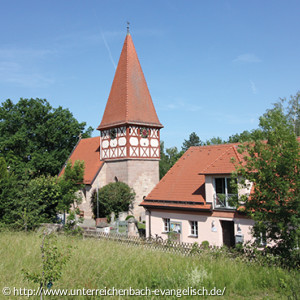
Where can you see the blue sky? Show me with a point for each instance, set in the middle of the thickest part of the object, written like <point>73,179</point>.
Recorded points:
<point>212,67</point>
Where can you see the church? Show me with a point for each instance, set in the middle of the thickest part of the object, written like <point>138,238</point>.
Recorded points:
<point>193,200</point>
<point>128,148</point>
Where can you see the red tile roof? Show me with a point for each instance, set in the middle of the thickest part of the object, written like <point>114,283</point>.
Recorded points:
<point>224,163</point>
<point>185,181</point>
<point>87,150</point>
<point>129,101</point>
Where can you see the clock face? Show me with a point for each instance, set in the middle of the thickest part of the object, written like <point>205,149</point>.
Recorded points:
<point>144,132</point>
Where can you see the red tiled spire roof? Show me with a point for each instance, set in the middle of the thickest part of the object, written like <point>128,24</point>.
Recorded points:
<point>129,101</point>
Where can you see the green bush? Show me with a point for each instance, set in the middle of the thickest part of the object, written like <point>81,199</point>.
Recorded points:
<point>205,245</point>
<point>114,197</point>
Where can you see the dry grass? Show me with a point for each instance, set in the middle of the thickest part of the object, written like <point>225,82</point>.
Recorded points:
<point>97,264</point>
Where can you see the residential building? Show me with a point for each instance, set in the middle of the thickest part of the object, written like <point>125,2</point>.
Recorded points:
<point>193,200</point>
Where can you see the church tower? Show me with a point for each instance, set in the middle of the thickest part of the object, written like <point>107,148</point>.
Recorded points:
<point>129,130</point>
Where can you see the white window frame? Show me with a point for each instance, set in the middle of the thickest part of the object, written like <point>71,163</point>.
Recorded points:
<point>226,179</point>
<point>225,183</point>
<point>166,224</point>
<point>193,228</point>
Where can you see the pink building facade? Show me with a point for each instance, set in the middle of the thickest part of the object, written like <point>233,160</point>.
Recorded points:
<point>193,202</point>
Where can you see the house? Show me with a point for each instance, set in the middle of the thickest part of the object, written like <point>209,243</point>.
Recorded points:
<point>128,148</point>
<point>193,199</point>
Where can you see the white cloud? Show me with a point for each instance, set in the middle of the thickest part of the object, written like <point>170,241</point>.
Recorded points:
<point>247,58</point>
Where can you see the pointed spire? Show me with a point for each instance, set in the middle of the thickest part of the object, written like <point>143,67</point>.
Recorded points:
<point>129,101</point>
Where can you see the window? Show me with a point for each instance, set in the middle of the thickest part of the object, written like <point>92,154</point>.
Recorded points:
<point>166,225</point>
<point>224,186</point>
<point>113,133</point>
<point>225,191</point>
<point>194,228</point>
<point>261,240</point>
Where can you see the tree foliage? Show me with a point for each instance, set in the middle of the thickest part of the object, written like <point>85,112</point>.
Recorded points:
<point>246,136</point>
<point>3,168</point>
<point>39,203</point>
<point>114,197</point>
<point>214,141</point>
<point>70,183</point>
<point>26,203</point>
<point>10,192</point>
<point>193,140</point>
<point>167,159</point>
<point>291,108</point>
<point>54,257</point>
<point>36,138</point>
<point>273,167</point>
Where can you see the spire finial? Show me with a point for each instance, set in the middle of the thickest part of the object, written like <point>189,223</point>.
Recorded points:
<point>128,27</point>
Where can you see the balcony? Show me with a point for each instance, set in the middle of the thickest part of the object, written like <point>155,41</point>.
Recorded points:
<point>225,201</point>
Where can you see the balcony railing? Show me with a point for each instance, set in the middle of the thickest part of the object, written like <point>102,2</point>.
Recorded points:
<point>224,201</point>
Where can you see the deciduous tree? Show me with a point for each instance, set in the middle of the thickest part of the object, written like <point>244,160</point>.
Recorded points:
<point>168,158</point>
<point>273,168</point>
<point>36,138</point>
<point>292,110</point>
<point>70,183</point>
<point>27,203</point>
<point>246,136</point>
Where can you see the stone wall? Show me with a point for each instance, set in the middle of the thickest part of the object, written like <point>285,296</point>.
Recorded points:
<point>141,175</point>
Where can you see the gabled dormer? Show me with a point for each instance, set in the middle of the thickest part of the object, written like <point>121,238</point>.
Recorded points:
<point>220,191</point>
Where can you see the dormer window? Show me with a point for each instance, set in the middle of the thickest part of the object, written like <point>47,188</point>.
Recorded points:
<point>225,192</point>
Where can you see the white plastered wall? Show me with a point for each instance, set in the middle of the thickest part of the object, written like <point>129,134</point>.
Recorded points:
<point>205,231</point>
<point>210,188</point>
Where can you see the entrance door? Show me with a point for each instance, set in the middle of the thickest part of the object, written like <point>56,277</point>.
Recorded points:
<point>228,233</point>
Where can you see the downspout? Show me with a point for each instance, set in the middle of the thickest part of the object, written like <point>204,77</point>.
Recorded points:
<point>149,211</point>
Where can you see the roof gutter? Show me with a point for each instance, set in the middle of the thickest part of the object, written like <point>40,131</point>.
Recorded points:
<point>176,208</point>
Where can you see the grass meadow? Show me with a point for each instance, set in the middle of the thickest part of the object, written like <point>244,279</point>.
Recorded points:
<point>96,264</point>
